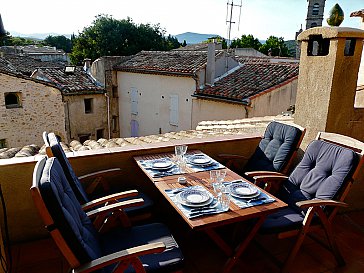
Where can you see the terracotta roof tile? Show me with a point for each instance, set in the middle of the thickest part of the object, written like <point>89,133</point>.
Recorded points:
<point>78,82</point>
<point>183,62</point>
<point>250,79</point>
<point>26,65</point>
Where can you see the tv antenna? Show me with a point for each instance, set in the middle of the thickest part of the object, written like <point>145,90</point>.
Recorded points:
<point>231,5</point>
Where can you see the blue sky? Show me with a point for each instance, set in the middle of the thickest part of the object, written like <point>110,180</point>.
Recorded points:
<point>261,18</point>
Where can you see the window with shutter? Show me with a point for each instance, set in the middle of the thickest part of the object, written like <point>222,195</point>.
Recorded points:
<point>134,101</point>
<point>173,110</point>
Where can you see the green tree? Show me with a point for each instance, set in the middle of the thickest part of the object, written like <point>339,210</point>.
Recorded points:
<point>9,40</point>
<point>218,39</point>
<point>275,46</point>
<point>246,41</point>
<point>60,42</point>
<point>108,36</point>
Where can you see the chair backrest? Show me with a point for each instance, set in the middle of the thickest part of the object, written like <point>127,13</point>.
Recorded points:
<point>62,214</point>
<point>58,152</point>
<point>277,148</point>
<point>326,171</point>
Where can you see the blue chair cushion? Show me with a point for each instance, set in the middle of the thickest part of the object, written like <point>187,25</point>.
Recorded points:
<point>82,238</point>
<point>283,220</point>
<point>69,218</point>
<point>168,261</point>
<point>275,149</point>
<point>75,183</point>
<point>77,187</point>
<point>321,173</point>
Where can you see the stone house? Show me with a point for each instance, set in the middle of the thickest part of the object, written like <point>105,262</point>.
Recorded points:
<point>27,108</point>
<point>85,103</point>
<point>155,88</point>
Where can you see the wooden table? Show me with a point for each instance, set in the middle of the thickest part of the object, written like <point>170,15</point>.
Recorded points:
<point>208,223</point>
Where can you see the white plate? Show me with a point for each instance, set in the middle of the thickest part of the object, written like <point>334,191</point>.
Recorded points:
<point>243,190</point>
<point>191,198</point>
<point>161,164</point>
<point>200,160</point>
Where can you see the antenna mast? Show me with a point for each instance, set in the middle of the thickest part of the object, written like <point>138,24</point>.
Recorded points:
<point>230,21</point>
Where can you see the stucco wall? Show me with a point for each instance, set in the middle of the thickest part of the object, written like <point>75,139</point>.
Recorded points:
<point>269,104</point>
<point>41,110</point>
<point>203,109</point>
<point>274,102</point>
<point>81,123</point>
<point>153,105</point>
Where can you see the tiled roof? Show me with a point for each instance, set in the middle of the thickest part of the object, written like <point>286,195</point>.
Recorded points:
<point>5,65</point>
<point>26,65</point>
<point>166,62</point>
<point>78,82</point>
<point>249,80</point>
<point>359,13</point>
<point>31,49</point>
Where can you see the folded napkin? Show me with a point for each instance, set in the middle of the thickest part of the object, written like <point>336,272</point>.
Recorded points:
<point>193,212</point>
<point>262,198</point>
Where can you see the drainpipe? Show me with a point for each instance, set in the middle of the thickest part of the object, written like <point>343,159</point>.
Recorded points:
<point>108,114</point>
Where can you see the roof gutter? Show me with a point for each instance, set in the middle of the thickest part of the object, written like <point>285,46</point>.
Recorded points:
<point>155,71</point>
<point>246,102</point>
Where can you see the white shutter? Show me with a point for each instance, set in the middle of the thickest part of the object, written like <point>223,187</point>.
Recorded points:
<point>173,110</point>
<point>134,101</point>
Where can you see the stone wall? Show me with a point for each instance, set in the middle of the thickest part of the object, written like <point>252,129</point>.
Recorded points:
<point>81,123</point>
<point>41,109</point>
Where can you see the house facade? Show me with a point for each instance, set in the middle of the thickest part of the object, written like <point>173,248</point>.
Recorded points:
<point>259,87</point>
<point>155,88</point>
<point>27,108</point>
<point>85,103</point>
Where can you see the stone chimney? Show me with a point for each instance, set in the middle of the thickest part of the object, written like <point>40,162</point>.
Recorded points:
<point>210,67</point>
<point>329,65</point>
<point>87,65</point>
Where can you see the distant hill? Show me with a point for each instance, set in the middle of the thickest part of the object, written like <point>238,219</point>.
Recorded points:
<point>193,38</point>
<point>36,36</point>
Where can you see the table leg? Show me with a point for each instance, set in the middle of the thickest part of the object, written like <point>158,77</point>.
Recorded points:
<point>242,246</point>
<point>220,242</point>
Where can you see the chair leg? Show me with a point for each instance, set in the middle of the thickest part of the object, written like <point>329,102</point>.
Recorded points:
<point>330,238</point>
<point>294,251</point>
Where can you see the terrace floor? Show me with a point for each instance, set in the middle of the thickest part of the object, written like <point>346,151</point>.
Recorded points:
<point>203,256</point>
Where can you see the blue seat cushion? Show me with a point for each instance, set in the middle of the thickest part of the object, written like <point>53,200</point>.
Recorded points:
<point>68,216</point>
<point>75,183</point>
<point>275,149</point>
<point>321,173</point>
<point>168,261</point>
<point>284,220</point>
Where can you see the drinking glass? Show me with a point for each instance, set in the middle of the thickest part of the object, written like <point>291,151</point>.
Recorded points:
<point>221,176</point>
<point>180,151</point>
<point>213,175</point>
<point>224,199</point>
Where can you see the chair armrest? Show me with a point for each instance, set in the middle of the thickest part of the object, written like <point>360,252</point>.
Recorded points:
<point>115,207</point>
<point>98,178</point>
<point>231,156</point>
<point>319,203</point>
<point>260,173</point>
<point>126,256</point>
<point>270,178</point>
<point>270,183</point>
<point>112,198</point>
<point>100,173</point>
